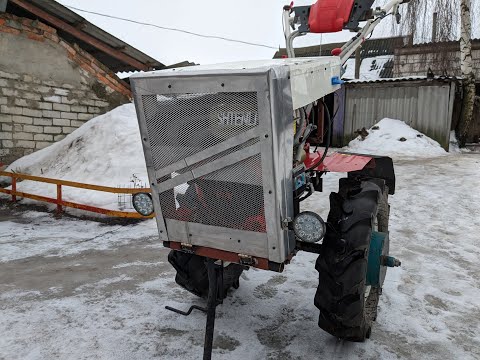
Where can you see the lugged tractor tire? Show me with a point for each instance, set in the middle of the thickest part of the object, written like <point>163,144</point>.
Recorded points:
<point>347,305</point>
<point>192,273</point>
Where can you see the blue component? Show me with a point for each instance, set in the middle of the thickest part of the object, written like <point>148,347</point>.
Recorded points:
<point>337,81</point>
<point>375,257</point>
<point>300,181</point>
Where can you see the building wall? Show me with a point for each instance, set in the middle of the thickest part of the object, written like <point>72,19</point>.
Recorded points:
<point>48,87</point>
<point>441,58</point>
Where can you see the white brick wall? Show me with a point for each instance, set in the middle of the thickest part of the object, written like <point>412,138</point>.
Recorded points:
<point>61,122</point>
<point>417,64</point>
<point>35,114</point>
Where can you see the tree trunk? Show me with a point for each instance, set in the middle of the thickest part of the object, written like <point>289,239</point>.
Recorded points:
<point>467,73</point>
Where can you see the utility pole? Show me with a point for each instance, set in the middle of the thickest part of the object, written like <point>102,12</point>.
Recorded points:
<point>434,27</point>
<point>358,61</point>
<point>468,74</point>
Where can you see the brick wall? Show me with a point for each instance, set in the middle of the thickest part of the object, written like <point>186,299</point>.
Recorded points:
<point>440,57</point>
<point>36,110</point>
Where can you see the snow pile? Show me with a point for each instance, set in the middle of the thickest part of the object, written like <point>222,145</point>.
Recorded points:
<point>396,139</point>
<point>106,150</point>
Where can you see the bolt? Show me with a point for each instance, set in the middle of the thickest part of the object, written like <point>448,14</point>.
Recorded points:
<point>390,261</point>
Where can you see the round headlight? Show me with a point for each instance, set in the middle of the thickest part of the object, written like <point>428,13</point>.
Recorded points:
<point>143,204</point>
<point>309,227</point>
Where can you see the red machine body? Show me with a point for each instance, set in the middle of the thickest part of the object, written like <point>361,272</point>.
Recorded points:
<point>328,16</point>
<point>338,162</point>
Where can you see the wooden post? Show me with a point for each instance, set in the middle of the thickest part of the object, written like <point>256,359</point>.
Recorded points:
<point>14,189</point>
<point>59,198</point>
<point>358,61</point>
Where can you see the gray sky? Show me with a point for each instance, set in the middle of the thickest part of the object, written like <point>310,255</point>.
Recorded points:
<point>255,21</point>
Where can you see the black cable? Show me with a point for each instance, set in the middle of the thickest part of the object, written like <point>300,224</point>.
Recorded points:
<point>338,107</point>
<point>174,29</point>
<point>327,145</point>
<point>333,117</point>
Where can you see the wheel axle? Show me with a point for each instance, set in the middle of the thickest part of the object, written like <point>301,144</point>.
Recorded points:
<point>390,261</point>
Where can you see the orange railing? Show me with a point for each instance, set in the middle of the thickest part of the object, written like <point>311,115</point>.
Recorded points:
<point>62,203</point>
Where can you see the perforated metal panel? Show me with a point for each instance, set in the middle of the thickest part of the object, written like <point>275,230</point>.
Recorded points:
<point>180,125</point>
<point>183,125</point>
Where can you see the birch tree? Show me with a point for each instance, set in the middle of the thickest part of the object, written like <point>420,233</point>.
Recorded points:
<point>452,14</point>
<point>468,73</point>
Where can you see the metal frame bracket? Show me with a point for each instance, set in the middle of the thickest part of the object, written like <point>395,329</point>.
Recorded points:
<point>187,248</point>
<point>247,260</point>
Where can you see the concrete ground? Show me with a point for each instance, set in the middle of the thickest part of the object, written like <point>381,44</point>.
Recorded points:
<point>78,289</point>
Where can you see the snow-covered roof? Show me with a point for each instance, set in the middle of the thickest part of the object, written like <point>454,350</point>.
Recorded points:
<point>371,68</point>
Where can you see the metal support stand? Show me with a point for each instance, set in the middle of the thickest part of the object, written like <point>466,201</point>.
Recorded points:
<point>215,297</point>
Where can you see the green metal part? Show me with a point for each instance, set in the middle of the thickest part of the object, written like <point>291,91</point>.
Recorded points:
<point>375,257</point>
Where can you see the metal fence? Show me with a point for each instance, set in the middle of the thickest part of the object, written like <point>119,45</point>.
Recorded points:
<point>62,203</point>
<point>425,105</point>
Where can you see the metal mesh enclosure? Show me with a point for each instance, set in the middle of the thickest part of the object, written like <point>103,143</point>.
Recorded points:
<point>182,125</point>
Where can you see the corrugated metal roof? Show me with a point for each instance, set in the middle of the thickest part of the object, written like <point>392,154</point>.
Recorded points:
<point>404,79</point>
<point>61,12</point>
<point>441,43</point>
<point>370,48</point>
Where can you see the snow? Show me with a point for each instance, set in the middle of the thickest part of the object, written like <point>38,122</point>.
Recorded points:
<point>79,289</point>
<point>76,289</point>
<point>106,150</point>
<point>64,237</point>
<point>370,68</point>
<point>349,68</point>
<point>384,138</point>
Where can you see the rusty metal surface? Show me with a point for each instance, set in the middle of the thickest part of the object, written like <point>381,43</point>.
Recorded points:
<point>61,203</point>
<point>261,263</point>
<point>75,184</point>
<point>113,213</point>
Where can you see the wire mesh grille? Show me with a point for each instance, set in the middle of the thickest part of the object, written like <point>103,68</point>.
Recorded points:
<point>230,197</point>
<point>181,125</point>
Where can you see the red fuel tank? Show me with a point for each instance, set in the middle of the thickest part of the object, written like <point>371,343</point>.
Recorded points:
<point>328,16</point>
